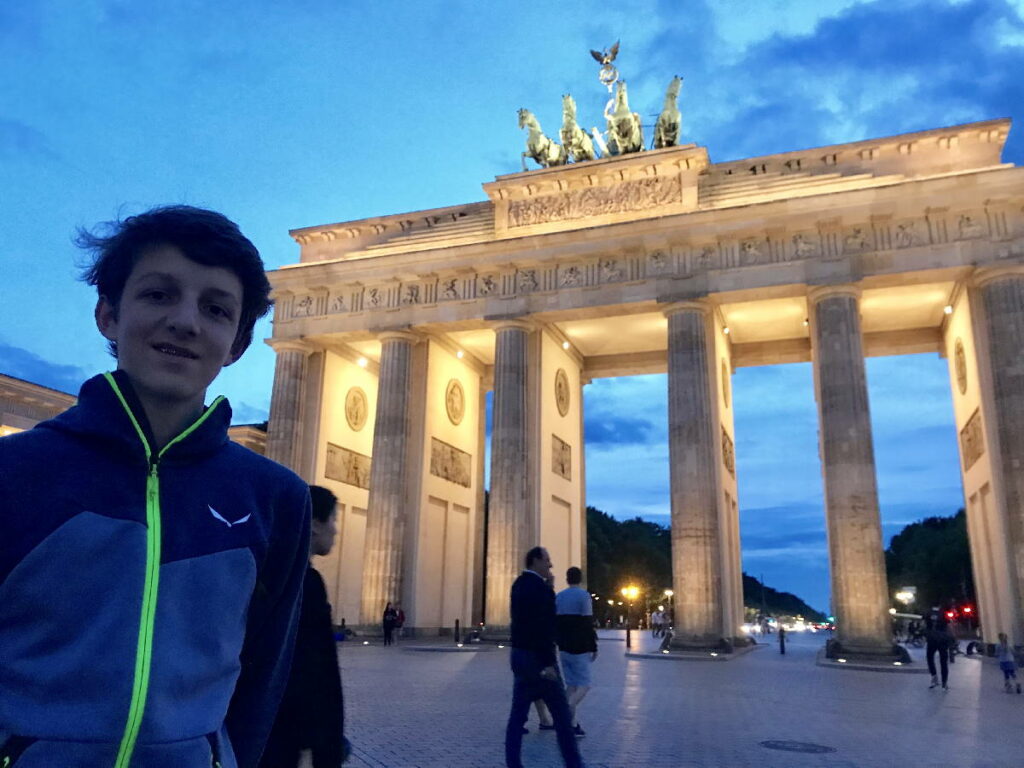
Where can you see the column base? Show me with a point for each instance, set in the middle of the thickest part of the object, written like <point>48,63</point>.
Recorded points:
<point>681,642</point>
<point>882,653</point>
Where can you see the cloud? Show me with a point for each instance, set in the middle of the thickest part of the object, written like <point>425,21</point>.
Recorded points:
<point>243,413</point>
<point>617,430</point>
<point>22,364</point>
<point>19,139</point>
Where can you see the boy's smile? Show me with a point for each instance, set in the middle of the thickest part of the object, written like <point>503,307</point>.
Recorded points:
<point>175,327</point>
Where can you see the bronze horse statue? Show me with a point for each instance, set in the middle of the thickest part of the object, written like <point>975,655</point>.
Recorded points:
<point>545,152</point>
<point>576,141</point>
<point>666,130</point>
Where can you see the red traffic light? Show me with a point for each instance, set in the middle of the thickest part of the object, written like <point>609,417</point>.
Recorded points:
<point>950,614</point>
<point>968,609</point>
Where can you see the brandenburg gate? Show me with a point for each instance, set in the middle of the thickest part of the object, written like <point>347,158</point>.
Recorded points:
<point>390,331</point>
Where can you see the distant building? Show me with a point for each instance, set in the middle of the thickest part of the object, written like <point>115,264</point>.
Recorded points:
<point>23,404</point>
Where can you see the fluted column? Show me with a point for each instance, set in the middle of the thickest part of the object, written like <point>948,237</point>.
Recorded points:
<point>693,465</point>
<point>387,507</point>
<point>286,400</point>
<point>859,589</point>
<point>510,514</point>
<point>1002,294</point>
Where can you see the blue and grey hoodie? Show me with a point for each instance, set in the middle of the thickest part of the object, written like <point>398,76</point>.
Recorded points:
<point>148,600</point>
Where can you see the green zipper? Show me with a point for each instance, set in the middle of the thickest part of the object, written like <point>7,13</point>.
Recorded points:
<point>144,646</point>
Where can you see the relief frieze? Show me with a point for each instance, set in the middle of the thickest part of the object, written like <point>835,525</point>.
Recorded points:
<point>972,441</point>
<point>561,457</point>
<point>449,463</point>
<point>347,466</point>
<point>626,197</point>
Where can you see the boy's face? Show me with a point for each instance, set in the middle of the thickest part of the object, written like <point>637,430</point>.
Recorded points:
<point>175,326</point>
<point>322,534</point>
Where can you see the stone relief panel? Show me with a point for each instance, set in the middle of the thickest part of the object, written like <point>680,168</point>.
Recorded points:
<point>487,285</point>
<point>455,402</point>
<point>629,196</point>
<point>561,457</point>
<point>907,234</point>
<point>347,466</point>
<point>562,391</point>
<point>356,408</point>
<point>570,277</point>
<point>972,441</point>
<point>449,463</point>
<point>806,245</point>
<point>960,366</point>
<point>856,240</point>
<point>659,263</point>
<point>970,226</point>
<point>526,281</point>
<point>728,453</point>
<point>303,307</point>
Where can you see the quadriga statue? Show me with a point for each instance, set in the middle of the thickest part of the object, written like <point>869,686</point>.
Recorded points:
<point>545,152</point>
<point>666,130</point>
<point>625,133</point>
<point>577,142</point>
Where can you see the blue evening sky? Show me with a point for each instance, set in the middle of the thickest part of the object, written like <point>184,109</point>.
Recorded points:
<point>285,115</point>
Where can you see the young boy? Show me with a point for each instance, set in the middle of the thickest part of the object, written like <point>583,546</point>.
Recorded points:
<point>1007,663</point>
<point>150,569</point>
<point>310,725</point>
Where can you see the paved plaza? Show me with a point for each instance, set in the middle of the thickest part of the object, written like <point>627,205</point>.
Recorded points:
<point>429,710</point>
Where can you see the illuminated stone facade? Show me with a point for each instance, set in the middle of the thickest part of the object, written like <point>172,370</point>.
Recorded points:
<point>655,262</point>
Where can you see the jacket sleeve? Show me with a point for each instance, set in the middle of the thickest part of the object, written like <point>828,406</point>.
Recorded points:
<point>270,630</point>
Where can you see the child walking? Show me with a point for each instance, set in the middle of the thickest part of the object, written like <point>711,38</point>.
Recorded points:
<point>1007,663</point>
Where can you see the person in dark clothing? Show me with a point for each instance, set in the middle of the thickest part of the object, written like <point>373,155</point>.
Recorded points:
<point>389,621</point>
<point>937,637</point>
<point>534,665</point>
<point>310,724</point>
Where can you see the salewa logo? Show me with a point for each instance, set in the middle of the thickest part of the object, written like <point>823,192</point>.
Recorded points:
<point>224,520</point>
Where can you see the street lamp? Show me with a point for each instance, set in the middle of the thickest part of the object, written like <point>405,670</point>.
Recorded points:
<point>630,593</point>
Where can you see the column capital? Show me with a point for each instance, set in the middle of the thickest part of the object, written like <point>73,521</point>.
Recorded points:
<point>522,323</point>
<point>982,276</point>
<point>395,335</point>
<point>819,292</point>
<point>704,306</point>
<point>291,345</point>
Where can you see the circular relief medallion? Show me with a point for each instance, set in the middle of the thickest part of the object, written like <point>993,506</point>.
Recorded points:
<point>725,382</point>
<point>355,408</point>
<point>455,401</point>
<point>562,391</point>
<point>960,364</point>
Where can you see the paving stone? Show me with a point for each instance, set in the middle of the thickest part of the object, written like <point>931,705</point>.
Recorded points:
<point>439,710</point>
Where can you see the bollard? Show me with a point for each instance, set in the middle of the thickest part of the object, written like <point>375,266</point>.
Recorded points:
<point>458,634</point>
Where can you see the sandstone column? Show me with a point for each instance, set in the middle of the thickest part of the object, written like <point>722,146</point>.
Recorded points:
<point>509,523</point>
<point>286,400</point>
<point>1002,306</point>
<point>859,589</point>
<point>386,509</point>
<point>693,464</point>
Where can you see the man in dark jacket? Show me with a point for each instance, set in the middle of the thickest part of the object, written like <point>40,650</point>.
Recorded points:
<point>534,665</point>
<point>312,714</point>
<point>936,632</point>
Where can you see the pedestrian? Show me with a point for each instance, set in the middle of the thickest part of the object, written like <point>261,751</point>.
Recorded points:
<point>657,617</point>
<point>388,621</point>
<point>533,660</point>
<point>782,640</point>
<point>1007,663</point>
<point>310,724</point>
<point>938,638</point>
<point>576,640</point>
<point>151,567</point>
<point>399,622</point>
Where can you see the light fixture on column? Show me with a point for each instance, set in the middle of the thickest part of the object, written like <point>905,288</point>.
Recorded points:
<point>948,309</point>
<point>460,354</point>
<point>725,330</point>
<point>362,362</point>
<point>565,345</point>
<point>806,322</point>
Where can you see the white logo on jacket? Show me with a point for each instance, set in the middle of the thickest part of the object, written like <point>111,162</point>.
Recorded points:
<point>227,522</point>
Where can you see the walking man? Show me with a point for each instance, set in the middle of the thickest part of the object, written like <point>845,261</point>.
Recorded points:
<point>534,666</point>
<point>938,637</point>
<point>310,725</point>
<point>577,640</point>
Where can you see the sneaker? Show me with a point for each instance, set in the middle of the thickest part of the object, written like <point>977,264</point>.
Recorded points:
<point>1007,687</point>
<point>935,682</point>
<point>543,727</point>
<point>945,687</point>
<point>578,731</point>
